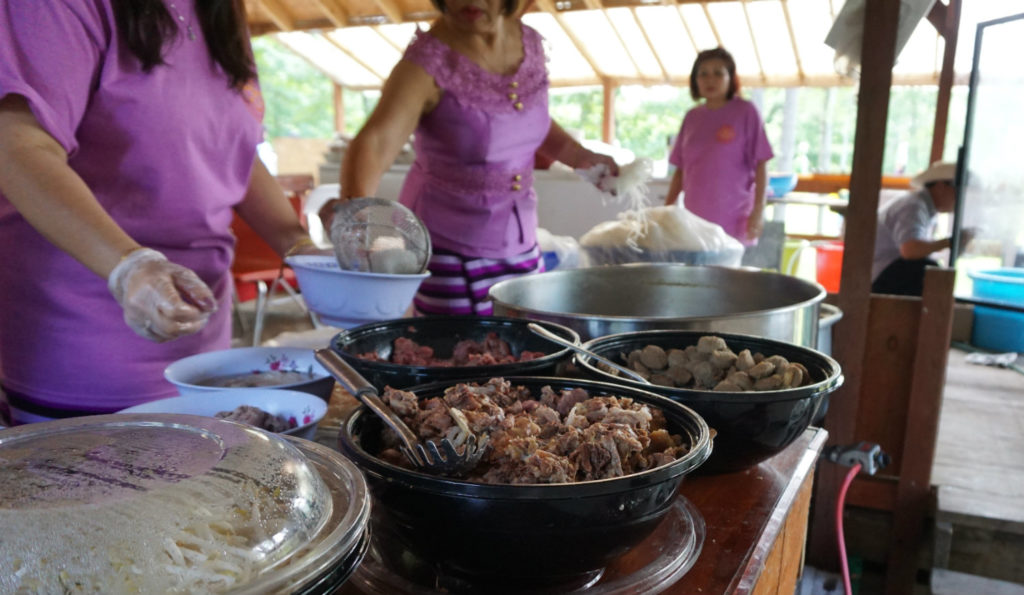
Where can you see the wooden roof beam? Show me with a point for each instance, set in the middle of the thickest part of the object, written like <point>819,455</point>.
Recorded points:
<point>334,10</point>
<point>937,17</point>
<point>647,38</point>
<point>278,13</point>
<point>792,40</point>
<point>711,23</point>
<point>753,40</point>
<point>549,7</point>
<point>357,59</point>
<point>376,29</point>
<point>625,46</point>
<point>390,9</point>
<point>689,34</point>
<point>949,31</point>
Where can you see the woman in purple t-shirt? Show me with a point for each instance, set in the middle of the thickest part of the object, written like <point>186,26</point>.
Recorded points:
<point>128,133</point>
<point>474,88</point>
<point>721,151</point>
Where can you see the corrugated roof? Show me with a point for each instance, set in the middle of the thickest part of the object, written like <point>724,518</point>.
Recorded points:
<point>777,43</point>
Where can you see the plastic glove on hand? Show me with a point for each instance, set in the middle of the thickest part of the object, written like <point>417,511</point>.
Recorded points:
<point>161,300</point>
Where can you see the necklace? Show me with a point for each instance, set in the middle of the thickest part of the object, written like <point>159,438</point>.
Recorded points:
<point>181,19</point>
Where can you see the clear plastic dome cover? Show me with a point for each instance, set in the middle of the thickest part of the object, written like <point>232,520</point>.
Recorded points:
<point>376,235</point>
<point>161,503</point>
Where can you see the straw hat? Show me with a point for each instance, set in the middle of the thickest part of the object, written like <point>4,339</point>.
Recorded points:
<point>940,171</point>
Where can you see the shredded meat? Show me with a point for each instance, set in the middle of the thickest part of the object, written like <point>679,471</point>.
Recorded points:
<point>254,416</point>
<point>493,350</point>
<point>561,437</point>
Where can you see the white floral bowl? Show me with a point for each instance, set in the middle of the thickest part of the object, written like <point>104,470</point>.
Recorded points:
<point>347,299</point>
<point>200,373</point>
<point>303,410</point>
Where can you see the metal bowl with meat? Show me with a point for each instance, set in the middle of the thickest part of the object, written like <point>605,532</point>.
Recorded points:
<point>499,529</point>
<point>410,351</point>
<point>751,425</point>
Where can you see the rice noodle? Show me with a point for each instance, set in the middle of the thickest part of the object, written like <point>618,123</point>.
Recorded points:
<point>131,546</point>
<point>630,190</point>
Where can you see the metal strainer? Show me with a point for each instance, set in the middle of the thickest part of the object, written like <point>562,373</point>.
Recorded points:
<point>377,235</point>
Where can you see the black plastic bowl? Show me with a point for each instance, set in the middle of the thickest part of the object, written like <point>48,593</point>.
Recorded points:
<point>537,538</point>
<point>442,333</point>
<point>750,426</point>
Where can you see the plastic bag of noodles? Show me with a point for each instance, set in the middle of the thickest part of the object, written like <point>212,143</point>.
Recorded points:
<point>660,234</point>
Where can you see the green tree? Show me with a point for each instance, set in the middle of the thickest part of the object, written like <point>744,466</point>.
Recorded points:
<point>578,108</point>
<point>647,118</point>
<point>298,98</point>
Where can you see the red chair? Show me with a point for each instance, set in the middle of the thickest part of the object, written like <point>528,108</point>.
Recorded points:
<point>257,269</point>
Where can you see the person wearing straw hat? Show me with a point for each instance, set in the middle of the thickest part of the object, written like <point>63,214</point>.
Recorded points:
<point>904,240</point>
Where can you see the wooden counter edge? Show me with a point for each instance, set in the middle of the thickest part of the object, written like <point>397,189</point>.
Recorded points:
<point>797,490</point>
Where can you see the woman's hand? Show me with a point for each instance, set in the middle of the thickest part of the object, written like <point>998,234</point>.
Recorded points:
<point>161,300</point>
<point>587,159</point>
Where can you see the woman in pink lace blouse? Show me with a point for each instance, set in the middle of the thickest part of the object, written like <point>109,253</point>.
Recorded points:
<point>474,89</point>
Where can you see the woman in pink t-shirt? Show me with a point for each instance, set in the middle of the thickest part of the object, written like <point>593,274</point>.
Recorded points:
<point>128,133</point>
<point>721,151</point>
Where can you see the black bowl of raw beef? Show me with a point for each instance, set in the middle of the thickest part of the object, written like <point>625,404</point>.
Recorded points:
<point>409,351</point>
<point>751,423</point>
<point>480,536</point>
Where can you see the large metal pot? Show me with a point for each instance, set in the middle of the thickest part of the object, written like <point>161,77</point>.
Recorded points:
<point>601,301</point>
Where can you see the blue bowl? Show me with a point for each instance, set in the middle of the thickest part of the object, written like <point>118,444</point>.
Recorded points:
<point>781,184</point>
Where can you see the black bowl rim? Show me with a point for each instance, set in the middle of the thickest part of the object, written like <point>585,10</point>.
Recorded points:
<point>372,466</point>
<point>494,370</point>
<point>833,380</point>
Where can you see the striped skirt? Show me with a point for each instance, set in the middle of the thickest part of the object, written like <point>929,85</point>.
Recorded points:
<point>459,285</point>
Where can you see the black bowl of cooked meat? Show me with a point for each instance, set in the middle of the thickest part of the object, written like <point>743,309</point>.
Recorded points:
<point>576,473</point>
<point>757,394</point>
<point>409,351</point>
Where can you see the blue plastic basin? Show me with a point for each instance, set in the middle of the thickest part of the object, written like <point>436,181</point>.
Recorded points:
<point>997,329</point>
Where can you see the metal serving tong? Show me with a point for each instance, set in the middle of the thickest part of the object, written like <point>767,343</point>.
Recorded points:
<point>550,336</point>
<point>446,459</point>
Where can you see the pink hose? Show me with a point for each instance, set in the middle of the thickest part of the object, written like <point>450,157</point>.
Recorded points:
<point>840,502</point>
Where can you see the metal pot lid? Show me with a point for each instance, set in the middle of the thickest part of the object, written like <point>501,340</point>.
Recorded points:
<point>154,503</point>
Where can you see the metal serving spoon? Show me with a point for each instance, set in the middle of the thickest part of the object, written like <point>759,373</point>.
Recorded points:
<point>550,336</point>
<point>445,459</point>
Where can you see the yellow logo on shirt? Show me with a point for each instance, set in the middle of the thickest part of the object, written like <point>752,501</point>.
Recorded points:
<point>254,99</point>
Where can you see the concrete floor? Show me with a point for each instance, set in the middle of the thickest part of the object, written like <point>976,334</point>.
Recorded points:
<point>974,542</point>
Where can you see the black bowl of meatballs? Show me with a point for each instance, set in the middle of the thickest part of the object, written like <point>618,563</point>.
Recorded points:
<point>576,473</point>
<point>757,394</point>
<point>409,351</point>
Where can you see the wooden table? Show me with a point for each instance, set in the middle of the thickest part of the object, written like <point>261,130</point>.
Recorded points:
<point>756,523</point>
<point>756,520</point>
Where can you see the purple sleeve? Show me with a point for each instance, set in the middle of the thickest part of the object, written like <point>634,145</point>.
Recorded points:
<point>51,54</point>
<point>675,157</point>
<point>760,149</point>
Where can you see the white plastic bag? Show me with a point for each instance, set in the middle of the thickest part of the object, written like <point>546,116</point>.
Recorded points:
<point>559,252</point>
<point>660,234</point>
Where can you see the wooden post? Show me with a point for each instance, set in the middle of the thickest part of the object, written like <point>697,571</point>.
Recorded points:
<point>947,21</point>
<point>339,109</point>
<point>926,384</point>
<point>608,116</point>
<point>877,58</point>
